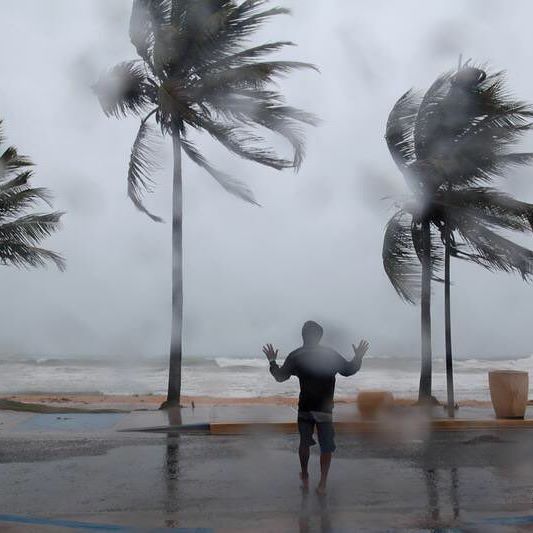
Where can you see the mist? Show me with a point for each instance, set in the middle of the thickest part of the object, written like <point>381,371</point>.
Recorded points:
<point>252,274</point>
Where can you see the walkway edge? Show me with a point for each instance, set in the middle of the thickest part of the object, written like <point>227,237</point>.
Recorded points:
<point>366,426</point>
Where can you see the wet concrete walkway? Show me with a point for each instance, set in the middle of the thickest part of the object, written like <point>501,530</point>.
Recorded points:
<point>113,481</point>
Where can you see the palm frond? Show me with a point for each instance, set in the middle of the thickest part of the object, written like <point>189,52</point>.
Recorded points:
<point>494,251</point>
<point>501,126</point>
<point>17,199</point>
<point>429,117</point>
<point>230,184</point>
<point>450,107</point>
<point>30,229</point>
<point>255,75</point>
<point>16,194</point>
<point>285,121</point>
<point>272,115</point>
<point>143,163</point>
<point>211,31</point>
<point>25,256</point>
<point>400,127</point>
<point>490,206</point>
<point>250,16</point>
<point>400,260</point>
<point>251,105</point>
<point>125,89</point>
<point>11,161</point>
<point>244,57</point>
<point>141,29</point>
<point>21,232</point>
<point>469,125</point>
<point>20,180</point>
<point>245,144</point>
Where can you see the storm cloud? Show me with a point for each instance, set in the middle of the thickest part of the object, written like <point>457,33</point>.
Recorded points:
<point>252,274</point>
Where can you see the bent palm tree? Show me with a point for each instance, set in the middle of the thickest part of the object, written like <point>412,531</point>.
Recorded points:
<point>196,74</point>
<point>21,231</point>
<point>456,138</point>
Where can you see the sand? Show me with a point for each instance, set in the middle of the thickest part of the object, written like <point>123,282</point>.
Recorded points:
<point>92,402</point>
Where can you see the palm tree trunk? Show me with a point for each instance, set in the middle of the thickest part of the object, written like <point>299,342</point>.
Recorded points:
<point>424,391</point>
<point>448,325</point>
<point>174,376</point>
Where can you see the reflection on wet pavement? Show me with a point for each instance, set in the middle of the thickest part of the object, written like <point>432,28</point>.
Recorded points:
<point>252,483</point>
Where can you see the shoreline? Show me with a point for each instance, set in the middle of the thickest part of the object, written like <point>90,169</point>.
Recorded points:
<point>132,402</point>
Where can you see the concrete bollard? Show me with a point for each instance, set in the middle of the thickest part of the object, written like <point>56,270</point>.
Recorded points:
<point>372,403</point>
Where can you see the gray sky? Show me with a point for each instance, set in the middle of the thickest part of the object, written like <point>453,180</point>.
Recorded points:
<point>251,274</point>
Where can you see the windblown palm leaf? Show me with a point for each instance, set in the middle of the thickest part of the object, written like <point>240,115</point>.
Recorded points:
<point>475,216</point>
<point>403,249</point>
<point>199,74</point>
<point>400,259</point>
<point>460,133</point>
<point>21,232</point>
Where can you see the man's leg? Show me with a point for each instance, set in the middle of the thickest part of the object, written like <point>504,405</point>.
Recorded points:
<point>304,452</point>
<point>326,439</point>
<point>325,462</point>
<point>305,427</point>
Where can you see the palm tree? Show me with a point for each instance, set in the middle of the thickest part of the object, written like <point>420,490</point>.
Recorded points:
<point>453,140</point>
<point>21,231</point>
<point>474,214</point>
<point>197,73</point>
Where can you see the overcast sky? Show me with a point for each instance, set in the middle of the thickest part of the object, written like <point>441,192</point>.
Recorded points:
<point>252,275</point>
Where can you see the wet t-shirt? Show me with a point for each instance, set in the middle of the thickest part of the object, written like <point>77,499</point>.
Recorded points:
<point>316,368</point>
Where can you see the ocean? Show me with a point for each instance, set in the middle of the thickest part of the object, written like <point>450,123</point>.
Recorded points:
<point>236,377</point>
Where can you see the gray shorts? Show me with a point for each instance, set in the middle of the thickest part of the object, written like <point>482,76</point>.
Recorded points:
<point>307,421</point>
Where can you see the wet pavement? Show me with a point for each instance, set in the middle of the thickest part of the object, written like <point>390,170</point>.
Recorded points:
<point>463,481</point>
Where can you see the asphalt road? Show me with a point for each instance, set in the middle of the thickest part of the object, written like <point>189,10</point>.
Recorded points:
<point>464,480</point>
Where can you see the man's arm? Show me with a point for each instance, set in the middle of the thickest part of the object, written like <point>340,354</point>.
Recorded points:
<point>282,373</point>
<point>349,368</point>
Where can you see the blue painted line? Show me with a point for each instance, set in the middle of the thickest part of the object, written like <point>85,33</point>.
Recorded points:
<point>73,524</point>
<point>170,429</point>
<point>510,520</point>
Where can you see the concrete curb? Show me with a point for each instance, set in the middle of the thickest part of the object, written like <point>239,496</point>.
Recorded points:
<point>368,426</point>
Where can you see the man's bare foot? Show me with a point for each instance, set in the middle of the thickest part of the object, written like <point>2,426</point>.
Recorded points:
<point>321,489</point>
<point>305,481</point>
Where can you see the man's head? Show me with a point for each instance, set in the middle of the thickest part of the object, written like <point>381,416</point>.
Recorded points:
<point>312,333</point>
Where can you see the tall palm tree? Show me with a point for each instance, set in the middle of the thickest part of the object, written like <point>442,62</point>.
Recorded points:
<point>21,229</point>
<point>198,73</point>
<point>448,144</point>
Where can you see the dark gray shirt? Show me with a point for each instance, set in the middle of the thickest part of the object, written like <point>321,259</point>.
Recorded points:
<point>316,368</point>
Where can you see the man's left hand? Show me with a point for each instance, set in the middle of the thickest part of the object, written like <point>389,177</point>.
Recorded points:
<point>360,350</point>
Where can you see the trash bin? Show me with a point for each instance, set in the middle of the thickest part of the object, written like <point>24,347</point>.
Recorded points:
<point>509,391</point>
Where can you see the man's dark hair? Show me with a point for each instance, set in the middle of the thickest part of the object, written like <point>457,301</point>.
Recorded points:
<point>312,332</point>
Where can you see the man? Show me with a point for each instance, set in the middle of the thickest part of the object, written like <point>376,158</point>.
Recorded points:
<point>315,366</point>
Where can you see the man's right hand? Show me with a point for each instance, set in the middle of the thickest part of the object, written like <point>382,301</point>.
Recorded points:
<point>361,350</point>
<point>270,353</point>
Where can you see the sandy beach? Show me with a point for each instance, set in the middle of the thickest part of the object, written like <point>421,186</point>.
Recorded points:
<point>133,402</point>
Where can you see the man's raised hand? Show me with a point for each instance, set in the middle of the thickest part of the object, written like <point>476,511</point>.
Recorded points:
<point>360,350</point>
<point>270,353</point>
